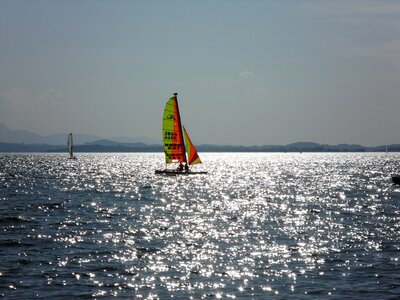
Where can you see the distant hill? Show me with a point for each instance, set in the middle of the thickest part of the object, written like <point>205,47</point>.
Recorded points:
<point>295,147</point>
<point>109,143</point>
<point>26,137</point>
<point>103,145</point>
<point>141,139</point>
<point>13,147</point>
<point>18,136</point>
<point>89,147</point>
<point>26,141</point>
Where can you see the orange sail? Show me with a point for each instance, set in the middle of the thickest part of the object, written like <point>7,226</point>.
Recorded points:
<point>193,157</point>
<point>174,147</point>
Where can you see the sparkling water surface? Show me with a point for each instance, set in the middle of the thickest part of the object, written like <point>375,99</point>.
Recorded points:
<point>259,225</point>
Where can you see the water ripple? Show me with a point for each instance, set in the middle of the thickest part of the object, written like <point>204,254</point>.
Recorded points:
<point>281,225</point>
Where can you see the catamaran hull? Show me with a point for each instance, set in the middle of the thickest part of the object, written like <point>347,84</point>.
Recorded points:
<point>396,179</point>
<point>173,172</point>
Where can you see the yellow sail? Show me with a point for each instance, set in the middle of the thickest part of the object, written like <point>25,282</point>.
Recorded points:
<point>174,147</point>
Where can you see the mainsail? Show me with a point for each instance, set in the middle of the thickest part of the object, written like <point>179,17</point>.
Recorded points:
<point>193,157</point>
<point>70,145</point>
<point>174,147</point>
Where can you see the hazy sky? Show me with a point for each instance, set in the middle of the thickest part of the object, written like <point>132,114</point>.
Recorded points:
<point>247,72</point>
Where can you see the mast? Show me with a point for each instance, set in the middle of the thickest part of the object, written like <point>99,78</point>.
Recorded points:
<point>180,126</point>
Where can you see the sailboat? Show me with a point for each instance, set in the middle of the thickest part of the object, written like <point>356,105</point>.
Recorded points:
<point>70,145</point>
<point>177,142</point>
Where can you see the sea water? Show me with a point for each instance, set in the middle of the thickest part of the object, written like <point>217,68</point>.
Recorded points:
<point>258,225</point>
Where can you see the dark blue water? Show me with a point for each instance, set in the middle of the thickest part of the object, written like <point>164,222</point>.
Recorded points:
<point>257,226</point>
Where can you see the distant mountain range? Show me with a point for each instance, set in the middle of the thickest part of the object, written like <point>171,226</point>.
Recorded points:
<point>26,141</point>
<point>26,137</point>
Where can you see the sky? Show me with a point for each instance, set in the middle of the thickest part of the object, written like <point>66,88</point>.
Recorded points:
<point>246,72</point>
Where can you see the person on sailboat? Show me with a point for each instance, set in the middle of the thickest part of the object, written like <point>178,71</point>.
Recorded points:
<point>186,167</point>
<point>180,167</point>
